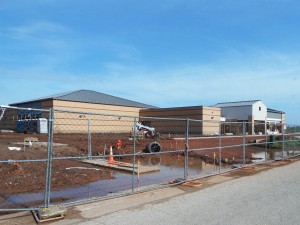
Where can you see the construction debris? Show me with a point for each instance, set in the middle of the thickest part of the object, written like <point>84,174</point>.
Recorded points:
<point>82,168</point>
<point>29,141</point>
<point>181,181</point>
<point>14,148</point>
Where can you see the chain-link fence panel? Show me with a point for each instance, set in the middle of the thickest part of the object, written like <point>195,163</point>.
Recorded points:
<point>232,143</point>
<point>276,145</point>
<point>163,151</point>
<point>292,140</point>
<point>256,144</point>
<point>24,150</point>
<point>204,148</point>
<point>129,152</point>
<point>85,149</point>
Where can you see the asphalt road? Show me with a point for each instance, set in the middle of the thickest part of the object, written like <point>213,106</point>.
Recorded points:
<point>270,197</point>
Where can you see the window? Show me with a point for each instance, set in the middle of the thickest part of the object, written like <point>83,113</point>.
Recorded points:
<point>259,108</point>
<point>27,115</point>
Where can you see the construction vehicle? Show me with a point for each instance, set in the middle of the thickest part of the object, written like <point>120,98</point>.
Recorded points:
<point>148,131</point>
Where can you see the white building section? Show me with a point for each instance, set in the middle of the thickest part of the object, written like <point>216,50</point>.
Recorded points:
<point>241,111</point>
<point>255,113</point>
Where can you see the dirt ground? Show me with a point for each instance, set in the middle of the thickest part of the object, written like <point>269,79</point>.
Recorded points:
<point>29,177</point>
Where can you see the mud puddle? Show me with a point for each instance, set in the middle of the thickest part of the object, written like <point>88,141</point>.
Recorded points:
<point>260,157</point>
<point>171,168</point>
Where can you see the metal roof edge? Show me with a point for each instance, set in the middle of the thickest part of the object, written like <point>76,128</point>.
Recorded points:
<point>61,96</point>
<point>236,104</point>
<point>45,98</point>
<point>274,111</point>
<point>239,102</point>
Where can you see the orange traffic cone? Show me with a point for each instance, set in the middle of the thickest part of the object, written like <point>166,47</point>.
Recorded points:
<point>111,155</point>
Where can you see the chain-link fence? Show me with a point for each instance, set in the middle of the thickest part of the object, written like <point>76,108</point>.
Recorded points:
<point>61,157</point>
<point>24,146</point>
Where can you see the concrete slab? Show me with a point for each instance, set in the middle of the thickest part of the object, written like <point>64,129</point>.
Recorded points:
<point>66,222</point>
<point>17,218</point>
<point>218,179</point>
<point>98,209</point>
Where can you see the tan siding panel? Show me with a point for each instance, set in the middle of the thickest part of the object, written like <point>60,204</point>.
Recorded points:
<point>196,113</point>
<point>73,122</point>
<point>96,108</point>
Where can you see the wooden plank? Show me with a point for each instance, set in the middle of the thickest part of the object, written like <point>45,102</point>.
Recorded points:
<point>192,184</point>
<point>248,168</point>
<point>122,166</point>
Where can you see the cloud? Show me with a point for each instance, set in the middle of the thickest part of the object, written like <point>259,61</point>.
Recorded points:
<point>36,37</point>
<point>261,74</point>
<point>200,84</point>
<point>182,84</point>
<point>36,30</point>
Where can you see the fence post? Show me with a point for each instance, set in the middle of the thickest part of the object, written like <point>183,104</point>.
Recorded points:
<point>49,159</point>
<point>266,142</point>
<point>89,139</point>
<point>244,143</point>
<point>220,146</point>
<point>283,142</point>
<point>186,154</point>
<point>134,152</point>
<point>294,139</point>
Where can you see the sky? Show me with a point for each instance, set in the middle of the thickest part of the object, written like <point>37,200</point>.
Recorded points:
<point>165,53</point>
